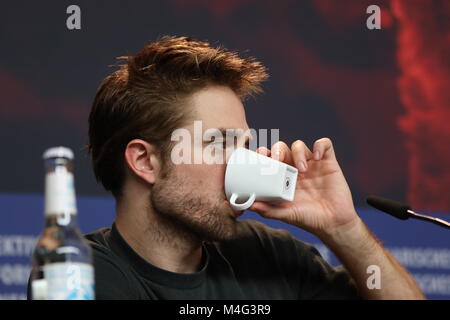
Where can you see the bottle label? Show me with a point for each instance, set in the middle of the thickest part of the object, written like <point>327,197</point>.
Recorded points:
<point>59,192</point>
<point>39,289</point>
<point>69,281</point>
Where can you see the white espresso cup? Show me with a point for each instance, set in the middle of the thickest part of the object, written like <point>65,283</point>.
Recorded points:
<point>251,177</point>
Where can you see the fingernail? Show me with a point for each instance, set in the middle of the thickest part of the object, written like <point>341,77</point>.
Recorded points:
<point>316,155</point>
<point>302,166</point>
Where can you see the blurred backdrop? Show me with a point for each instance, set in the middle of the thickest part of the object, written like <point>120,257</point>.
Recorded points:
<point>382,96</point>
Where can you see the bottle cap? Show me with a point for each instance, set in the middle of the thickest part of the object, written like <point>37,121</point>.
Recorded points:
<point>58,152</point>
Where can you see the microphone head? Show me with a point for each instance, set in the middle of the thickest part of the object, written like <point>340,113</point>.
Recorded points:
<point>394,208</point>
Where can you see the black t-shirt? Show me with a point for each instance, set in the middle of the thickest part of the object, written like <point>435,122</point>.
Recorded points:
<point>265,263</point>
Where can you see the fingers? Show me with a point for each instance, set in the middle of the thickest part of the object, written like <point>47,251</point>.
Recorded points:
<point>281,152</point>
<point>301,154</point>
<point>323,149</point>
<point>264,151</point>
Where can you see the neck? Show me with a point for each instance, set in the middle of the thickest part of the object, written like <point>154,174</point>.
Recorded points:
<point>156,239</point>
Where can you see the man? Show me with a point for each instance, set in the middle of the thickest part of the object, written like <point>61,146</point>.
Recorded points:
<point>175,235</point>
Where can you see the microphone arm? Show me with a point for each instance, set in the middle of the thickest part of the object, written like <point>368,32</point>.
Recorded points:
<point>402,211</point>
<point>434,220</point>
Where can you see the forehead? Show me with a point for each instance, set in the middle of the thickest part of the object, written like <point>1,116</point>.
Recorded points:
<point>218,107</point>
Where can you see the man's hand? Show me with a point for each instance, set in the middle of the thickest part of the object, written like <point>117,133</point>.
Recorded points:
<point>323,203</point>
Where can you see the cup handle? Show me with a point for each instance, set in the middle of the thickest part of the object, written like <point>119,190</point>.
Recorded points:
<point>241,206</point>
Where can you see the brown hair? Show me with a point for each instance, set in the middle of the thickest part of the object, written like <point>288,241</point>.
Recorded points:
<point>146,98</point>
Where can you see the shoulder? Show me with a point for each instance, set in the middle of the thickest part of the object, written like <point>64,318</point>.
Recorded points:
<point>113,277</point>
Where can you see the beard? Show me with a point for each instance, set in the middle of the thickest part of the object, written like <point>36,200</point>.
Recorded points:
<point>190,214</point>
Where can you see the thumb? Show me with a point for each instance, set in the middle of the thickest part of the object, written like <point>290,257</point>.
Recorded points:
<point>265,209</point>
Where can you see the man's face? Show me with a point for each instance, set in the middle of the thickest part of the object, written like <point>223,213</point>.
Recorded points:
<point>192,195</point>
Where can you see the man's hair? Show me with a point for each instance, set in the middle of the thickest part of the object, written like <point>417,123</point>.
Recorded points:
<point>146,98</point>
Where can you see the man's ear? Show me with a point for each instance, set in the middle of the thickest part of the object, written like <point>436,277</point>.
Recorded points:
<point>141,158</point>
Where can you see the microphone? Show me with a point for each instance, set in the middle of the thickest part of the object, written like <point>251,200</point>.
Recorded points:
<point>401,210</point>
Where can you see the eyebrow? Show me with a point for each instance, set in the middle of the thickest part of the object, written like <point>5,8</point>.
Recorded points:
<point>235,133</point>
